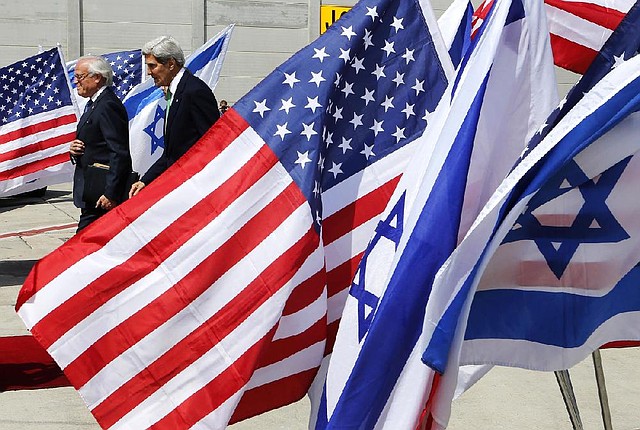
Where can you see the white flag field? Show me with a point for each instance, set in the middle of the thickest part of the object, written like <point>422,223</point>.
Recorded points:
<point>146,105</point>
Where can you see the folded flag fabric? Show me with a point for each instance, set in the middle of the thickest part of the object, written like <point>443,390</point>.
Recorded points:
<point>575,244</point>
<point>24,364</point>
<point>572,249</point>
<point>37,121</point>
<point>455,26</point>
<point>210,297</point>
<point>579,29</point>
<point>374,379</point>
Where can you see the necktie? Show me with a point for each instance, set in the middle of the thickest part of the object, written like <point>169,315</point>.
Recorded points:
<point>166,112</point>
<point>87,107</point>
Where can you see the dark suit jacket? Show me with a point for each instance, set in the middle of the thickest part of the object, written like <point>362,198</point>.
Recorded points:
<point>104,129</point>
<point>193,111</point>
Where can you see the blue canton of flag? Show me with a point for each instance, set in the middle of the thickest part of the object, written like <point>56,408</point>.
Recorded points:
<point>37,121</point>
<point>355,95</point>
<point>127,70</point>
<point>32,86</point>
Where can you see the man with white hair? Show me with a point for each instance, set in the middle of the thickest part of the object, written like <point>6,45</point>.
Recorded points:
<point>191,106</point>
<point>102,142</point>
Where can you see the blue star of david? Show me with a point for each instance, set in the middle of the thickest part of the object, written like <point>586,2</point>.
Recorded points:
<point>357,290</point>
<point>156,141</point>
<point>594,222</point>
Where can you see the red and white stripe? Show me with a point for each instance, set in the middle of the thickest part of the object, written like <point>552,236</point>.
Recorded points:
<point>34,151</point>
<point>160,313</point>
<point>479,16</point>
<point>579,29</point>
<point>211,293</point>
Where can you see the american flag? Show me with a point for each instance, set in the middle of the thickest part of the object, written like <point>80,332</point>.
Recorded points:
<point>37,122</point>
<point>578,30</point>
<point>214,294</point>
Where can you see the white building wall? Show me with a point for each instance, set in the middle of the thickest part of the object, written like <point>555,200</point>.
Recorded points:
<point>267,31</point>
<point>28,23</point>
<point>118,25</point>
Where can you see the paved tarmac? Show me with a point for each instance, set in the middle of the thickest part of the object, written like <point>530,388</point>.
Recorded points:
<point>504,399</point>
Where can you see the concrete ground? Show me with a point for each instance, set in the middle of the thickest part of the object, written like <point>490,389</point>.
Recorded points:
<point>504,399</point>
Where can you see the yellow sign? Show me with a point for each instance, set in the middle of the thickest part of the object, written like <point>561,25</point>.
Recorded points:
<point>330,14</point>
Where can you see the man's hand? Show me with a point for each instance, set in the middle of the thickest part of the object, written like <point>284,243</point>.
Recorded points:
<point>76,148</point>
<point>135,188</point>
<point>105,203</point>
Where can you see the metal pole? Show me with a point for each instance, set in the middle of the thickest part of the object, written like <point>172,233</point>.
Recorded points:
<point>602,390</point>
<point>74,29</point>
<point>198,23</point>
<point>564,382</point>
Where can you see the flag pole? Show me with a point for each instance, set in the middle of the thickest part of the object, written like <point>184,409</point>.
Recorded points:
<point>564,382</point>
<point>602,390</point>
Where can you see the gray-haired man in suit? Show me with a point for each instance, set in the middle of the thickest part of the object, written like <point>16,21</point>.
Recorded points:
<point>102,137</point>
<point>191,106</point>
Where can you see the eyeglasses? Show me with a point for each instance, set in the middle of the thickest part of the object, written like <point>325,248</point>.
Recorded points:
<point>78,78</point>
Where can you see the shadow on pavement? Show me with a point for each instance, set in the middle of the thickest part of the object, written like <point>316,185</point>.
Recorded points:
<point>14,272</point>
<point>9,203</point>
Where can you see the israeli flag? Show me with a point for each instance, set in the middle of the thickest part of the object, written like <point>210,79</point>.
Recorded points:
<point>555,250</point>
<point>504,89</point>
<point>455,27</point>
